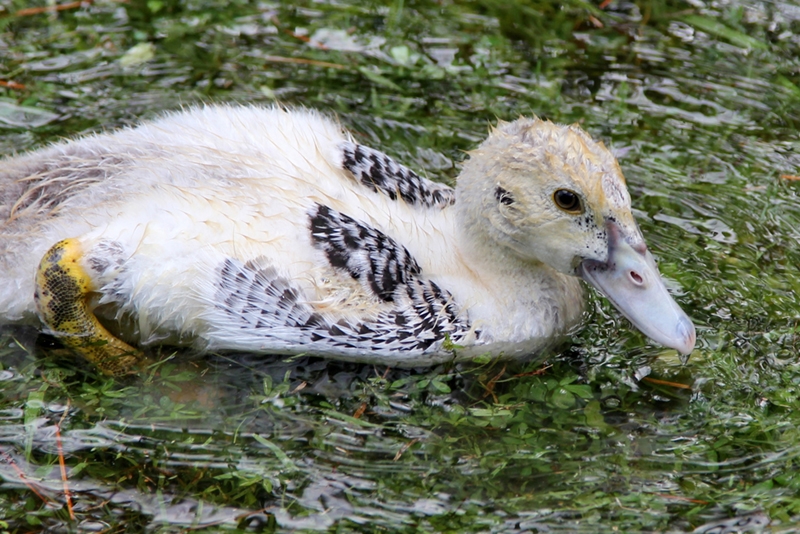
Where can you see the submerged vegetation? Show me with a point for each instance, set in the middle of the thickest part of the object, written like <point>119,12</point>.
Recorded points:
<point>699,99</point>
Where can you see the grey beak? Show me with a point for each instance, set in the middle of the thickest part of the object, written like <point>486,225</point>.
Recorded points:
<point>631,281</point>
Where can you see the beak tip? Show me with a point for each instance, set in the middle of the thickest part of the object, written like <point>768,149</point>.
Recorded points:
<point>686,336</point>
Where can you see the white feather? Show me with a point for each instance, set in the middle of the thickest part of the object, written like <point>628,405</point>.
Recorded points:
<point>183,194</point>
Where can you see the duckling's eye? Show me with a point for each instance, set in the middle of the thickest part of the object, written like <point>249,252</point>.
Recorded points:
<point>568,201</point>
<point>503,196</point>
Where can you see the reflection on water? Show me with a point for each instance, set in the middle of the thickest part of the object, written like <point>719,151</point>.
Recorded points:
<point>16,116</point>
<point>699,101</point>
<point>288,434</point>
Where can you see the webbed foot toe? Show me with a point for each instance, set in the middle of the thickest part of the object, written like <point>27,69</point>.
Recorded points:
<point>63,287</point>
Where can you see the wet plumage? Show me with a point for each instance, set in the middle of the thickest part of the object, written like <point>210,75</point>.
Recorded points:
<point>244,228</point>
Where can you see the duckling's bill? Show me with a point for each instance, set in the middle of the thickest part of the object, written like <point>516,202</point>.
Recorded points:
<point>631,281</point>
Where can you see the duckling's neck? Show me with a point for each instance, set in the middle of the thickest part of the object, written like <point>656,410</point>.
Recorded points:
<point>514,299</point>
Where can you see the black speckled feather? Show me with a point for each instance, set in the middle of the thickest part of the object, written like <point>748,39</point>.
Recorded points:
<point>367,254</point>
<point>417,317</point>
<point>381,173</point>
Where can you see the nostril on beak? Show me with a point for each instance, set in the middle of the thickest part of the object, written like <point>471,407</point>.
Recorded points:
<point>636,278</point>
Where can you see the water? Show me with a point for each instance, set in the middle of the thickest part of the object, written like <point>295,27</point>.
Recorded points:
<point>698,100</point>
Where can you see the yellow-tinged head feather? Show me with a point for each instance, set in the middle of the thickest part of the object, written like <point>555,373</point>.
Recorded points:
<point>512,181</point>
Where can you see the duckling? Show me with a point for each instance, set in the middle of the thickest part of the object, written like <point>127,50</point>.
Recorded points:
<point>272,230</point>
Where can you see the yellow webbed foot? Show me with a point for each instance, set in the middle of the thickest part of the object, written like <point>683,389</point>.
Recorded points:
<point>62,292</point>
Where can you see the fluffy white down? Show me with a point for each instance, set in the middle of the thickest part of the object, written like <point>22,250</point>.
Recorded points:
<point>182,194</point>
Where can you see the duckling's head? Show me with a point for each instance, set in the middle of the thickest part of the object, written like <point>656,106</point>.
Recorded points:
<point>546,193</point>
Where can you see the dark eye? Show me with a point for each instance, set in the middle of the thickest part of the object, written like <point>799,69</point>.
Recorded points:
<point>567,201</point>
<point>503,196</point>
